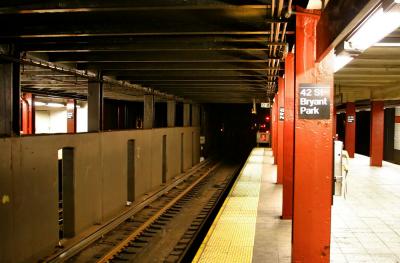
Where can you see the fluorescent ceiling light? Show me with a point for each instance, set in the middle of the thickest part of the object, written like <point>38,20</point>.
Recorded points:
<point>314,4</point>
<point>384,20</point>
<point>387,44</point>
<point>376,27</point>
<point>39,103</point>
<point>55,105</point>
<point>340,61</point>
<point>70,106</point>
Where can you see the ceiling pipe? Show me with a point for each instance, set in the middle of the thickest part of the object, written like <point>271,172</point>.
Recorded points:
<point>84,74</point>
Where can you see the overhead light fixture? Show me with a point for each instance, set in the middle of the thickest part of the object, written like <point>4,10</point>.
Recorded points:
<point>55,105</point>
<point>387,44</point>
<point>70,106</point>
<point>375,28</point>
<point>39,103</point>
<point>343,55</point>
<point>384,20</point>
<point>340,61</point>
<point>314,4</point>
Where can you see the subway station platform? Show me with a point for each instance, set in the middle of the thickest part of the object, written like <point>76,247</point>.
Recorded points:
<point>248,227</point>
<point>365,223</point>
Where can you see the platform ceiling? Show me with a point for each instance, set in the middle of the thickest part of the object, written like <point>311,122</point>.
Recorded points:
<point>375,74</point>
<point>200,50</point>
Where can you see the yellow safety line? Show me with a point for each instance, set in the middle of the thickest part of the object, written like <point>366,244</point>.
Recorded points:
<point>246,251</point>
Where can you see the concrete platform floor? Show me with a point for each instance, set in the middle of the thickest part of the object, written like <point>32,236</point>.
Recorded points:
<point>366,225</point>
<point>248,227</point>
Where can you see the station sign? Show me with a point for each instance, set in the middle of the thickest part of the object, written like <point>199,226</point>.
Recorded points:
<point>350,118</point>
<point>314,101</point>
<point>281,113</point>
<point>265,105</point>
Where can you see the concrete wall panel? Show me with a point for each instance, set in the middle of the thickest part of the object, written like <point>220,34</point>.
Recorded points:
<point>156,158</point>
<point>114,166</point>
<point>88,171</point>
<point>187,150</point>
<point>196,145</point>
<point>29,180</point>
<point>36,199</point>
<point>6,202</point>
<point>173,152</point>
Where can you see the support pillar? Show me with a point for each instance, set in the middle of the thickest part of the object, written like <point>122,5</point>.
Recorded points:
<point>71,116</point>
<point>195,115</point>
<point>28,113</point>
<point>95,106</point>
<point>10,92</point>
<point>148,118</point>
<point>281,108</point>
<point>288,134</point>
<point>313,153</point>
<point>350,129</point>
<point>6,94</point>
<point>171,113</point>
<point>275,129</point>
<point>377,133</point>
<point>186,114</point>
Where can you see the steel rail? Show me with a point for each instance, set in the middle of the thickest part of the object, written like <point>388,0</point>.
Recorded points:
<point>71,251</point>
<point>118,248</point>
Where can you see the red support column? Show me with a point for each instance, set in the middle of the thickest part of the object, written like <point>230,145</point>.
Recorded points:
<point>274,122</point>
<point>350,129</point>
<point>28,113</point>
<point>271,127</point>
<point>280,106</point>
<point>313,153</point>
<point>377,133</point>
<point>288,134</point>
<point>71,116</point>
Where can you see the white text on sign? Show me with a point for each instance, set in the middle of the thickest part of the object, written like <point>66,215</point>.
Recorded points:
<point>314,101</point>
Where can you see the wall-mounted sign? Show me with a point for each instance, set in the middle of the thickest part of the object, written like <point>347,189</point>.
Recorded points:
<point>70,115</point>
<point>314,101</point>
<point>265,105</point>
<point>350,118</point>
<point>281,113</point>
<point>202,139</point>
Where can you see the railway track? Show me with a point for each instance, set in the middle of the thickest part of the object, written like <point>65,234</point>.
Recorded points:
<point>163,228</point>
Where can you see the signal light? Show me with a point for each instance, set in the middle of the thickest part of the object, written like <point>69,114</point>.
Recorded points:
<point>267,118</point>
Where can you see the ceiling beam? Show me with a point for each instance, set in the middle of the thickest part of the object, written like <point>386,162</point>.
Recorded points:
<point>129,68</point>
<point>152,46</point>
<point>196,78</point>
<point>224,56</point>
<point>69,6</point>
